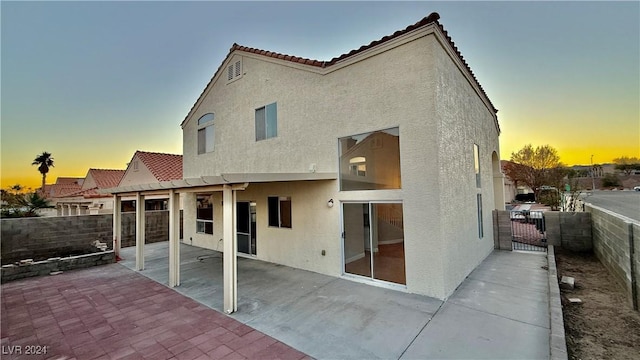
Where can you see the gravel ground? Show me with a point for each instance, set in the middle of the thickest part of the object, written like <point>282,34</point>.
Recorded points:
<point>604,326</point>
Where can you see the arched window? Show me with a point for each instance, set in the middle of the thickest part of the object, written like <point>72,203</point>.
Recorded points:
<point>358,166</point>
<point>205,133</point>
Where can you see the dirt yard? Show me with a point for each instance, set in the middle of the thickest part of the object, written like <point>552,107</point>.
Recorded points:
<point>604,326</point>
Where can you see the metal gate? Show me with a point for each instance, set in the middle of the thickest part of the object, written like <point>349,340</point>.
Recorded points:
<point>528,231</point>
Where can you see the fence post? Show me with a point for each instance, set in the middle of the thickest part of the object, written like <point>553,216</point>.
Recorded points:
<point>496,233</point>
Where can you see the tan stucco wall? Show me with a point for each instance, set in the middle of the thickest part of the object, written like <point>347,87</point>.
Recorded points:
<point>464,121</point>
<point>415,87</point>
<point>315,226</point>
<point>89,182</point>
<point>140,176</point>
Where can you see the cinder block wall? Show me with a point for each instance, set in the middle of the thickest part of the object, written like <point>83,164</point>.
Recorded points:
<point>571,230</point>
<point>502,230</point>
<point>636,264</point>
<point>156,227</point>
<point>616,242</point>
<point>45,237</point>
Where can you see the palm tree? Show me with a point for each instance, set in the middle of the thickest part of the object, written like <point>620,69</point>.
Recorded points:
<point>44,162</point>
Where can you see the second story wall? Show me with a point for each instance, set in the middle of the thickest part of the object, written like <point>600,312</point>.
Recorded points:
<point>364,93</point>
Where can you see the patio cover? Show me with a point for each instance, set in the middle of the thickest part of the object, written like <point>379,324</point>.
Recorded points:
<point>228,184</point>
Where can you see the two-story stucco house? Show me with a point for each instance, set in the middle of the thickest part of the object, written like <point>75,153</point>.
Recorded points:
<point>380,165</point>
<point>382,160</point>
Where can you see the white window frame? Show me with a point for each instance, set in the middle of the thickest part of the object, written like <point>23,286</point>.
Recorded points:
<point>476,164</point>
<point>270,128</point>
<point>201,223</point>
<point>480,225</point>
<point>206,124</point>
<point>281,199</point>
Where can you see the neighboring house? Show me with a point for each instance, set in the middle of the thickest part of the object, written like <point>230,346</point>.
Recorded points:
<point>81,196</point>
<point>53,192</point>
<point>63,186</point>
<point>380,165</point>
<point>149,167</point>
<point>87,200</point>
<point>512,189</point>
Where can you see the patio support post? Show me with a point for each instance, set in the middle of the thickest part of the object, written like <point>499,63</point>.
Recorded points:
<point>230,271</point>
<point>140,229</point>
<point>117,225</point>
<point>174,238</point>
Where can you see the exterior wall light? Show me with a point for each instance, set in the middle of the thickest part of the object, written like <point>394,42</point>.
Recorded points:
<point>330,203</point>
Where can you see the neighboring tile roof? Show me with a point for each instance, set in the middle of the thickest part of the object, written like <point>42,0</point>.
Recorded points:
<point>69,180</point>
<point>62,189</point>
<point>432,18</point>
<point>106,178</point>
<point>164,167</point>
<point>81,192</point>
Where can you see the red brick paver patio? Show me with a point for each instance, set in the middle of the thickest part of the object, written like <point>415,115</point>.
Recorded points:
<point>110,312</point>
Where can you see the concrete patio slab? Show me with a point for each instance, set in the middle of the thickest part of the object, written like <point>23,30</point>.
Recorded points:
<point>347,320</point>
<point>500,311</point>
<point>508,286</point>
<point>458,332</point>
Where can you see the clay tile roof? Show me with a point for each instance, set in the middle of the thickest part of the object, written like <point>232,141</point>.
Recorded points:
<point>276,55</point>
<point>164,167</point>
<point>69,180</point>
<point>87,194</point>
<point>106,178</point>
<point>430,19</point>
<point>62,189</point>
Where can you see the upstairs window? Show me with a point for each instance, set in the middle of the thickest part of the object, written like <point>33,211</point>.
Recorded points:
<point>479,207</point>
<point>476,163</point>
<point>205,133</point>
<point>279,211</point>
<point>266,122</point>
<point>370,161</point>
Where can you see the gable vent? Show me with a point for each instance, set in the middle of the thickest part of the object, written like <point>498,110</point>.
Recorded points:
<point>234,71</point>
<point>230,73</point>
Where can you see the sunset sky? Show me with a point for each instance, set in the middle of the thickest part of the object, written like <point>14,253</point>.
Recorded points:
<point>94,82</point>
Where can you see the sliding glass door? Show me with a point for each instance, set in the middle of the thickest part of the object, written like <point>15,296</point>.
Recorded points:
<point>246,227</point>
<point>373,241</point>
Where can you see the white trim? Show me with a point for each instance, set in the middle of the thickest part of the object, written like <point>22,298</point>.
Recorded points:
<point>389,242</point>
<point>353,258</point>
<point>239,181</point>
<point>359,278</point>
<point>374,282</point>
